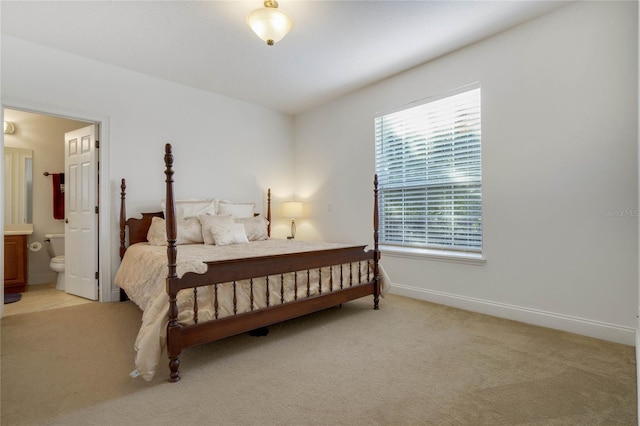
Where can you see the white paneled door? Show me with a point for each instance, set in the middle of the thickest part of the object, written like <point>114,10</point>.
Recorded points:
<point>81,206</point>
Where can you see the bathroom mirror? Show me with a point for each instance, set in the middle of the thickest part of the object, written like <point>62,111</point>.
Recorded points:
<point>18,186</point>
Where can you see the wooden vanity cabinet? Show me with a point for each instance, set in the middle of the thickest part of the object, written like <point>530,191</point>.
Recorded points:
<point>15,264</point>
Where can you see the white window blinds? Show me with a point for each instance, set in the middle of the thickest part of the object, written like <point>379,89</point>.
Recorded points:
<point>428,161</point>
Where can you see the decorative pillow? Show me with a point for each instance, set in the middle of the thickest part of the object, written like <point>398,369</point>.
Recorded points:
<point>237,210</point>
<point>255,227</point>
<point>192,208</point>
<point>189,232</point>
<point>157,234</point>
<point>209,223</point>
<point>231,234</point>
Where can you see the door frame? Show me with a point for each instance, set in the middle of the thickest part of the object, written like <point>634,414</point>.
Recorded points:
<point>106,292</point>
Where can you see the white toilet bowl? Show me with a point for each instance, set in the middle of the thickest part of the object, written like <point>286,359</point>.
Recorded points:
<point>57,265</point>
<point>55,248</point>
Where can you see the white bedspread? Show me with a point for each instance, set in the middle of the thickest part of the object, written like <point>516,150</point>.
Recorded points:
<point>143,272</point>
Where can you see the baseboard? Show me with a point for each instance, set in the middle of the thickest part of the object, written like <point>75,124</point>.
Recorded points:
<point>115,294</point>
<point>600,330</point>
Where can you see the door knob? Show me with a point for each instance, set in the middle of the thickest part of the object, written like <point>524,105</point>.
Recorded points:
<point>66,221</point>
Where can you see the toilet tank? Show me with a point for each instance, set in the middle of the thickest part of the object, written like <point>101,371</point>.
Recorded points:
<point>55,244</point>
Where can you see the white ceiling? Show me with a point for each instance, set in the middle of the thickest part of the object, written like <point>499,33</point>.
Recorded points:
<point>335,47</point>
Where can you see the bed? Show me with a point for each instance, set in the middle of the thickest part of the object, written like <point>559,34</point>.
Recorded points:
<point>194,292</point>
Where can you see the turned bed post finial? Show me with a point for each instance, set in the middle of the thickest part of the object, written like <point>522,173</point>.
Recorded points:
<point>173,348</point>
<point>123,217</point>
<point>376,251</point>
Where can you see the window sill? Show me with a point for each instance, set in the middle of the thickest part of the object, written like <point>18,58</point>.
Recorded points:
<point>430,254</point>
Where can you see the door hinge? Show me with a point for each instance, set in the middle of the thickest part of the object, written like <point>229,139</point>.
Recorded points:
<point>97,275</point>
<point>97,210</point>
<point>97,144</point>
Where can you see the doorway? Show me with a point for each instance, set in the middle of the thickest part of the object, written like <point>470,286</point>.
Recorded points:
<point>44,132</point>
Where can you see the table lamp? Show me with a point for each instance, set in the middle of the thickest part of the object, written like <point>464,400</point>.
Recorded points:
<point>292,210</point>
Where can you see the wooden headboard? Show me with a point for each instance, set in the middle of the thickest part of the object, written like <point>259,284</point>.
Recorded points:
<point>138,228</point>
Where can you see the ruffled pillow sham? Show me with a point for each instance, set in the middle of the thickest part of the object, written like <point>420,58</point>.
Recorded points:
<point>189,208</point>
<point>237,210</point>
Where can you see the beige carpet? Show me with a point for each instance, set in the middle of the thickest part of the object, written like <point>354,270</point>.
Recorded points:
<point>411,363</point>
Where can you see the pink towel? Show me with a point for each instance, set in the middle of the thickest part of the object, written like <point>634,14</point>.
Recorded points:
<point>58,195</point>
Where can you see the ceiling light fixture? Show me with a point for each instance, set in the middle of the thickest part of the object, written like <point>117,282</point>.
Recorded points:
<point>270,23</point>
<point>9,128</point>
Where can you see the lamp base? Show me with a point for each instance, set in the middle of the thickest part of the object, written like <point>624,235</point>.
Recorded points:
<point>293,230</point>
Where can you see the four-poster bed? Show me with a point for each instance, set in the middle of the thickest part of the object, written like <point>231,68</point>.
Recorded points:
<point>200,293</point>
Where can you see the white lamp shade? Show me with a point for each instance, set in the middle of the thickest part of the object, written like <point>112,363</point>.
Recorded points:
<point>270,24</point>
<point>292,209</point>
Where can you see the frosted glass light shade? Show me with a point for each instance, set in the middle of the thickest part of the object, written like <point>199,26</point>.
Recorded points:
<point>292,209</point>
<point>270,23</point>
<point>9,128</point>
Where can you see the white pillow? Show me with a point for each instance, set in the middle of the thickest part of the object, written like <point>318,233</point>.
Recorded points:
<point>255,227</point>
<point>189,232</point>
<point>209,223</point>
<point>231,234</point>
<point>237,210</point>
<point>192,208</point>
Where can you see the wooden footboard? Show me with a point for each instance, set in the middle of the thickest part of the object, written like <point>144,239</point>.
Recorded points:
<point>353,273</point>
<point>350,283</point>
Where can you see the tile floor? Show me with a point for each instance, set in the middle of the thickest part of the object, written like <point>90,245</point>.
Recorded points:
<point>42,297</point>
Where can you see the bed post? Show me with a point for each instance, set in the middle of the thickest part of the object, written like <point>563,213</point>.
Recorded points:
<point>269,212</point>
<point>173,338</point>
<point>123,224</point>
<point>376,251</point>
<point>123,217</point>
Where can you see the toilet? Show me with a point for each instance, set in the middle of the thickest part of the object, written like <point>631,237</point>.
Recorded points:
<point>55,248</point>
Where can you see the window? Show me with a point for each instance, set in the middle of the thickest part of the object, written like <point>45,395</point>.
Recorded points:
<point>428,161</point>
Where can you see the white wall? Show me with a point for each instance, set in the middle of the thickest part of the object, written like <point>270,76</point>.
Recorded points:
<point>223,147</point>
<point>45,136</point>
<point>560,187</point>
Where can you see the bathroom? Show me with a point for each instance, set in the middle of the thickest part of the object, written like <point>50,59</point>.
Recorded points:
<point>44,136</point>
